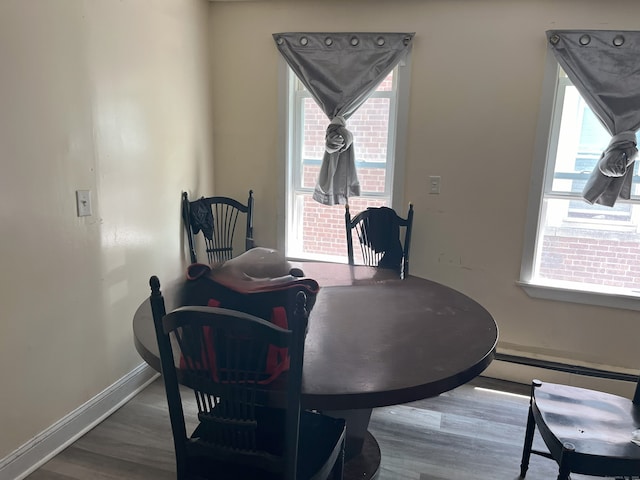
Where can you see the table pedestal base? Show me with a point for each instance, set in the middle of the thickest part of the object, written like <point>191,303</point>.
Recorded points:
<point>361,451</point>
<point>357,422</point>
<point>366,464</point>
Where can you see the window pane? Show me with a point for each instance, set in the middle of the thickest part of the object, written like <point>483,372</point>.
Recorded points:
<point>581,140</point>
<point>315,125</point>
<point>599,252</point>
<point>386,85</point>
<point>370,128</point>
<point>323,228</point>
<point>581,245</point>
<point>318,231</point>
<point>579,209</point>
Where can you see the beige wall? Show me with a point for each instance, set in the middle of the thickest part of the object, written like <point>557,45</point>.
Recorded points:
<point>475,90</point>
<point>107,96</point>
<point>114,97</point>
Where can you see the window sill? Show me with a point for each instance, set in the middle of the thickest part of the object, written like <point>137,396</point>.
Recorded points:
<point>587,297</point>
<point>315,257</point>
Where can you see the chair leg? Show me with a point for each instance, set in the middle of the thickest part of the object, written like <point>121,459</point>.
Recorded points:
<point>338,468</point>
<point>565,464</point>
<point>528,443</point>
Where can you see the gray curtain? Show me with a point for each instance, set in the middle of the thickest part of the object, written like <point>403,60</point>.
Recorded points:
<point>341,70</point>
<point>604,66</point>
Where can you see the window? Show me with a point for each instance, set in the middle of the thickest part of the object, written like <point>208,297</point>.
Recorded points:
<point>575,250</point>
<point>316,231</point>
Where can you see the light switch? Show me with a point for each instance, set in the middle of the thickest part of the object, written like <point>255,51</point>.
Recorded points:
<point>83,200</point>
<point>434,184</point>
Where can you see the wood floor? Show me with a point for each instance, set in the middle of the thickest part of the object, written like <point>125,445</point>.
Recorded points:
<point>468,433</point>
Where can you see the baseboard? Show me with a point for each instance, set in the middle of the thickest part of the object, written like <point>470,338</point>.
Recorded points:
<point>48,443</point>
<point>523,373</point>
<point>566,367</point>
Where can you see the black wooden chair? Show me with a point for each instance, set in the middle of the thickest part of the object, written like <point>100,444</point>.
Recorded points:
<point>585,431</point>
<point>216,218</point>
<point>249,425</point>
<point>378,232</point>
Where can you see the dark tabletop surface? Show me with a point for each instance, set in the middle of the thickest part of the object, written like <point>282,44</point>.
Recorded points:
<point>376,340</point>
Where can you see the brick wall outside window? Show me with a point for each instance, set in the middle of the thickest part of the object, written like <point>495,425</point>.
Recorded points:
<point>323,226</point>
<point>601,261</point>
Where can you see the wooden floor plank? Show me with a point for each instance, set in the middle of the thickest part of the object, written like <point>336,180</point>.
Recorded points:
<point>466,433</point>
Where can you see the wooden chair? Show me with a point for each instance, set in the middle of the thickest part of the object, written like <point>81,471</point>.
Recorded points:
<point>378,232</point>
<point>248,427</point>
<point>586,431</point>
<point>216,218</point>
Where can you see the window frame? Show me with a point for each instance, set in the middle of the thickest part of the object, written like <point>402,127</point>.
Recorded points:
<point>545,140</point>
<point>289,137</point>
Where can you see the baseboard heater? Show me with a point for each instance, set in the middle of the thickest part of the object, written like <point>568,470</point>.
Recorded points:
<point>565,367</point>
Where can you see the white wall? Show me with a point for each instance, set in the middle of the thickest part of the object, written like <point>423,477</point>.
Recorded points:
<point>107,96</point>
<point>477,70</point>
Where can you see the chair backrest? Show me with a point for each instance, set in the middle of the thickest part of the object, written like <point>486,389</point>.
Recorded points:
<point>219,354</point>
<point>378,232</point>
<point>216,218</point>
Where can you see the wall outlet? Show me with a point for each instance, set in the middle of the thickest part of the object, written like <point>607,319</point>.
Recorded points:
<point>83,202</point>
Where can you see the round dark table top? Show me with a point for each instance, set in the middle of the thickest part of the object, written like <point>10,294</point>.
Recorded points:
<point>375,340</point>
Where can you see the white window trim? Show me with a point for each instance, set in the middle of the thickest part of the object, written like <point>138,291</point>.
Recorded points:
<point>286,145</point>
<point>283,151</point>
<point>543,142</point>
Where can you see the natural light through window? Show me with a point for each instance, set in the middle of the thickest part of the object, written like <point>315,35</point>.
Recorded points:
<point>580,246</point>
<point>316,231</point>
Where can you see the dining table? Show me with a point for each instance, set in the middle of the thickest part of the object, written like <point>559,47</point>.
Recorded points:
<point>373,340</point>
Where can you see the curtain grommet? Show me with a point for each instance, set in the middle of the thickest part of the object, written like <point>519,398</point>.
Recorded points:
<point>279,40</point>
<point>585,40</point>
<point>328,41</point>
<point>380,41</point>
<point>406,41</point>
<point>304,41</point>
<point>554,39</point>
<point>618,41</point>
<point>355,41</point>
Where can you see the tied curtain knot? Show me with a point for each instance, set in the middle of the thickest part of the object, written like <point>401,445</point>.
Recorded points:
<point>338,138</point>
<point>341,70</point>
<point>619,155</point>
<point>603,66</point>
